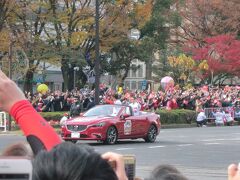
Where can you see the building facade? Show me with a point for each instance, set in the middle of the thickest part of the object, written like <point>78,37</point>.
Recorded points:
<point>136,77</point>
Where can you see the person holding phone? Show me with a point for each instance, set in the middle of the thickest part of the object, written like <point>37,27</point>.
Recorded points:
<point>39,134</point>
<point>46,144</point>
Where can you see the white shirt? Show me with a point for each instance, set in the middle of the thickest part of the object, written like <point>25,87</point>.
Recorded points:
<point>219,117</point>
<point>63,120</point>
<point>201,116</point>
<point>117,102</point>
<point>136,107</point>
<point>228,117</point>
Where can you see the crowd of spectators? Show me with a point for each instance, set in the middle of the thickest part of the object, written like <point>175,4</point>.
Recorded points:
<point>196,98</point>
<point>51,155</point>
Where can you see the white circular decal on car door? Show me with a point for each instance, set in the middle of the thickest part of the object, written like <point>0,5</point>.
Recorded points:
<point>127,127</point>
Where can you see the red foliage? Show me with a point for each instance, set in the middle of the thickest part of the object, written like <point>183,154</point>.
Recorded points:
<point>222,53</point>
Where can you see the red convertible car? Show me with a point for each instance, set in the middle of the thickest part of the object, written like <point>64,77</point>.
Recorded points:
<point>108,123</point>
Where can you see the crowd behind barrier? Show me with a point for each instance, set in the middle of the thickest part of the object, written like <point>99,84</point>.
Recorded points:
<point>233,111</point>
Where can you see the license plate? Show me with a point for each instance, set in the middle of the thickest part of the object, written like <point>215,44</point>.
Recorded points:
<point>75,135</point>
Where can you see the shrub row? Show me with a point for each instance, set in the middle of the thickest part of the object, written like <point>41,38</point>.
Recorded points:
<point>178,116</point>
<point>56,116</point>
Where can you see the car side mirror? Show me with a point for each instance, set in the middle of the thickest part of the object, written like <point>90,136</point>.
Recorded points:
<point>124,116</point>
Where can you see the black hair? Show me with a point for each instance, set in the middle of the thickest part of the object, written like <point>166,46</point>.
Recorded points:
<point>18,149</point>
<point>173,176</point>
<point>166,172</point>
<point>116,96</point>
<point>69,161</point>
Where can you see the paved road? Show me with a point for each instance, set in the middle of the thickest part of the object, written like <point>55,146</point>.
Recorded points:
<point>200,153</point>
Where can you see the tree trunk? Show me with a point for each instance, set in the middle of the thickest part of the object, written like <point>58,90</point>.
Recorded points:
<point>71,79</point>
<point>81,78</point>
<point>67,76</point>
<point>121,77</point>
<point>28,81</point>
<point>149,69</point>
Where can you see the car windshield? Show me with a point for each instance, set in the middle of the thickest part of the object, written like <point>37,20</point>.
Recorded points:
<point>105,110</point>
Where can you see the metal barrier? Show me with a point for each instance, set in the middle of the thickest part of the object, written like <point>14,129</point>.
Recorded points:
<point>237,113</point>
<point>234,111</point>
<point>3,121</point>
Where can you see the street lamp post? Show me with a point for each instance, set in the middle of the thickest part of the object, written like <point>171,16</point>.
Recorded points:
<point>97,63</point>
<point>10,54</point>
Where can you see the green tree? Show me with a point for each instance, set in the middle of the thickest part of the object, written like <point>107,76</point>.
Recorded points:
<point>123,49</point>
<point>27,32</point>
<point>157,29</point>
<point>182,67</point>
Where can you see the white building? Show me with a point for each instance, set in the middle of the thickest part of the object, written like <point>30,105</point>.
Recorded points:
<point>135,78</point>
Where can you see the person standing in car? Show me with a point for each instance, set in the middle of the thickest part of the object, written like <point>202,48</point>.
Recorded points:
<point>135,106</point>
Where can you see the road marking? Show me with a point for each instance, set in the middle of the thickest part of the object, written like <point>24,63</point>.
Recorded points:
<point>230,139</point>
<point>206,140</point>
<point>211,143</point>
<point>181,145</point>
<point>151,147</point>
<point>235,133</point>
<point>122,149</point>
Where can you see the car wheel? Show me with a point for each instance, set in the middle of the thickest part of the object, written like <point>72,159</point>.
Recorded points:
<point>152,134</point>
<point>111,136</point>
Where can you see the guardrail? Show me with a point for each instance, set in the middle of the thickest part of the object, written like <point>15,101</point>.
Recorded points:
<point>234,112</point>
<point>3,121</point>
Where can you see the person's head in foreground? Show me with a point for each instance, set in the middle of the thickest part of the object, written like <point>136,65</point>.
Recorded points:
<point>18,149</point>
<point>68,161</point>
<point>166,172</point>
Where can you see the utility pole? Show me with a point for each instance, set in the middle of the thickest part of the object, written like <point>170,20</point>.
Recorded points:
<point>97,63</point>
<point>10,74</point>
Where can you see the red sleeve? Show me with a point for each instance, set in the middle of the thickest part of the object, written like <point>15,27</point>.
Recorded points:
<point>107,101</point>
<point>34,125</point>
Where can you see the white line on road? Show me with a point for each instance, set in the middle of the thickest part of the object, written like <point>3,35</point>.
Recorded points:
<point>213,140</point>
<point>235,133</point>
<point>122,149</point>
<point>151,147</point>
<point>230,139</point>
<point>211,143</point>
<point>181,145</point>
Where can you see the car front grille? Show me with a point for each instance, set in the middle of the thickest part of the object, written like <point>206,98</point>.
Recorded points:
<point>76,127</point>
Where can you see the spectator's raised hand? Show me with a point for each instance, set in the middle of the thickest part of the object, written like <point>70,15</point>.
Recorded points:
<point>233,172</point>
<point>118,160</point>
<point>9,93</point>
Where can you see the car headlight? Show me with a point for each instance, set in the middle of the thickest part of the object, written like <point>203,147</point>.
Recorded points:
<point>101,124</point>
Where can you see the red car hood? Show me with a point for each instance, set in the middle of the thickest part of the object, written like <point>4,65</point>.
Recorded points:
<point>88,120</point>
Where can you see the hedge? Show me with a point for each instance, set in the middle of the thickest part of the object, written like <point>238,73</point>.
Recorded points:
<point>56,116</point>
<point>178,116</point>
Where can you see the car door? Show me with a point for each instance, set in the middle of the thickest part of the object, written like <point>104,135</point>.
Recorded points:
<point>141,124</point>
<point>127,128</point>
